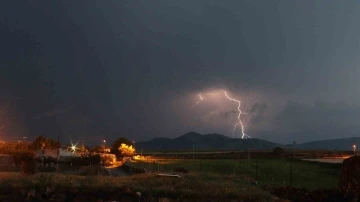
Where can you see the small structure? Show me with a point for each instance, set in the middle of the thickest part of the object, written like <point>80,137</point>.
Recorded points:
<point>54,153</point>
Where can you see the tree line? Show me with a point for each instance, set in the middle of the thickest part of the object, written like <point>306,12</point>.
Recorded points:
<point>26,150</point>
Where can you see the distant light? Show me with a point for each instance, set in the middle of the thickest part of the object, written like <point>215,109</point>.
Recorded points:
<point>73,148</point>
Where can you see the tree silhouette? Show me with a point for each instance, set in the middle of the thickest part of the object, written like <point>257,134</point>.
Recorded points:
<point>42,142</point>
<point>116,145</point>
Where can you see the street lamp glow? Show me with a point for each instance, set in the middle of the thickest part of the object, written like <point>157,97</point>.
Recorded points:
<point>354,148</point>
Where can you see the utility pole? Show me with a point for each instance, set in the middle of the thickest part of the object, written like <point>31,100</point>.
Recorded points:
<point>104,146</point>
<point>354,148</point>
<point>294,149</point>
<point>58,151</point>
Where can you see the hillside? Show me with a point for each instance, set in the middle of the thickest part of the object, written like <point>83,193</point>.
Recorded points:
<point>198,142</point>
<point>332,144</point>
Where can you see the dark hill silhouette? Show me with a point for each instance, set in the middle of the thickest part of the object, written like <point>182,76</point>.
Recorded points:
<point>332,144</point>
<point>199,142</point>
<point>219,142</point>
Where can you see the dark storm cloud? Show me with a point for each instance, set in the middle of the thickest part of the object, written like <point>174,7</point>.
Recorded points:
<point>230,114</point>
<point>52,113</point>
<point>257,113</point>
<point>4,108</point>
<point>314,121</point>
<point>47,62</point>
<point>129,66</point>
<point>258,108</point>
<point>239,44</point>
<point>80,120</point>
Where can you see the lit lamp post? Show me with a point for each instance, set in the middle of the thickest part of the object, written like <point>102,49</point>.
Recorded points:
<point>104,146</point>
<point>354,148</point>
<point>73,148</point>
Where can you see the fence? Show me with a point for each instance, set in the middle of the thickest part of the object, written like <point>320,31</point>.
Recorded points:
<point>287,172</point>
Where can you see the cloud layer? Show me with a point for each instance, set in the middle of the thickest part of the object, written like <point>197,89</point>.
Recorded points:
<point>136,68</point>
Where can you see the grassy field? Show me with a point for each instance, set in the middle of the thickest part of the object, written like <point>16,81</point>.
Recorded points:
<point>219,180</point>
<point>192,187</point>
<point>269,172</point>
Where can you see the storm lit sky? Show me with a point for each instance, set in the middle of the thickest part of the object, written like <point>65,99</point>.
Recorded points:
<point>105,69</point>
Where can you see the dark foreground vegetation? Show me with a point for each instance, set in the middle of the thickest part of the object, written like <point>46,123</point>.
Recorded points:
<point>290,179</point>
<point>191,187</point>
<point>209,176</point>
<point>267,172</point>
<point>201,180</point>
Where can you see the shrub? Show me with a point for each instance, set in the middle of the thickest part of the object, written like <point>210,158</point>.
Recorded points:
<point>108,159</point>
<point>28,167</point>
<point>86,160</point>
<point>127,150</point>
<point>18,157</point>
<point>278,151</point>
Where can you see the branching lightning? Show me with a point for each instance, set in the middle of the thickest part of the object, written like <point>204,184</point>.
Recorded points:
<point>243,135</point>
<point>201,98</point>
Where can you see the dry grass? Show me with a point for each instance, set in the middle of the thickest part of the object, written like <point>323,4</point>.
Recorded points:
<point>198,187</point>
<point>269,172</point>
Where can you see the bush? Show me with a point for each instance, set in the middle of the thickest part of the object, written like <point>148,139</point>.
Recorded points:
<point>86,160</point>
<point>278,151</point>
<point>28,167</point>
<point>127,150</point>
<point>108,160</point>
<point>94,159</point>
<point>19,157</point>
<point>93,170</point>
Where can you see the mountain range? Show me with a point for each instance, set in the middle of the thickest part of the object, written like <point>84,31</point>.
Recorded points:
<point>197,142</point>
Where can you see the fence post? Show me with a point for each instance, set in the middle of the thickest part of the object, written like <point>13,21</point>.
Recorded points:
<point>291,176</point>
<point>291,179</point>
<point>200,165</point>
<point>256,171</point>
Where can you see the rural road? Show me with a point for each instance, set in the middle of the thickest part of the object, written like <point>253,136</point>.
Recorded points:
<point>116,169</point>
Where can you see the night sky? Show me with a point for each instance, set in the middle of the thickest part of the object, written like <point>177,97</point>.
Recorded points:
<point>104,69</point>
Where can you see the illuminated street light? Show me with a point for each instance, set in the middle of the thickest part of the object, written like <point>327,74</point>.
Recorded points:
<point>354,148</point>
<point>73,148</point>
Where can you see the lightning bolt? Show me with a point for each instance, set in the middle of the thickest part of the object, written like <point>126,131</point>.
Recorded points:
<point>239,117</point>
<point>243,135</point>
<point>201,98</point>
